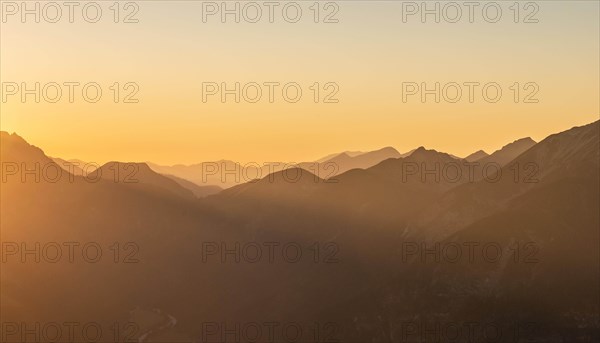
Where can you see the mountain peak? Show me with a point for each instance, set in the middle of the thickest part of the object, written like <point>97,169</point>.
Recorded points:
<point>14,137</point>
<point>140,175</point>
<point>388,149</point>
<point>526,141</point>
<point>509,152</point>
<point>529,139</point>
<point>15,148</point>
<point>422,151</point>
<point>477,155</point>
<point>521,142</point>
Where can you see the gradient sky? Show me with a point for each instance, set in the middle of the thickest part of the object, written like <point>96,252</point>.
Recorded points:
<point>369,54</point>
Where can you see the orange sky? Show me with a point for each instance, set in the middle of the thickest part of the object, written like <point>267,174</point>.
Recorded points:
<point>368,54</point>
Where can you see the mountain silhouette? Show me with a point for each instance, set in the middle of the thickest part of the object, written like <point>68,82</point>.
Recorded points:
<point>478,155</point>
<point>74,166</point>
<point>346,162</point>
<point>227,173</point>
<point>572,153</point>
<point>139,176</point>
<point>330,156</point>
<point>508,152</point>
<point>546,195</point>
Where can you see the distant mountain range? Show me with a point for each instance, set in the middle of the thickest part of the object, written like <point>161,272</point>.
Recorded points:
<point>209,178</point>
<point>538,200</point>
<point>226,173</point>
